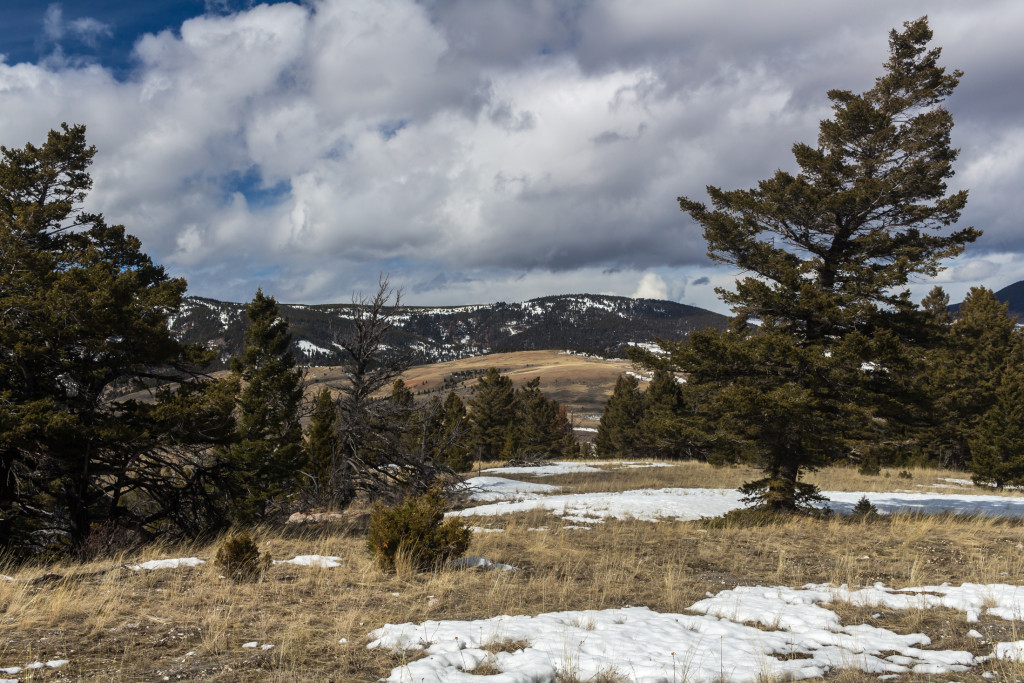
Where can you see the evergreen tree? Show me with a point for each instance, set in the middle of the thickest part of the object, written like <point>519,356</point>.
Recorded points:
<point>492,411</point>
<point>541,424</point>
<point>997,441</point>
<point>831,250</point>
<point>83,315</point>
<point>660,428</point>
<point>967,371</point>
<point>323,450</point>
<point>455,450</point>
<point>618,433</point>
<point>269,450</point>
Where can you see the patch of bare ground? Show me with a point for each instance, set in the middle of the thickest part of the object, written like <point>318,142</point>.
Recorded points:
<point>114,624</point>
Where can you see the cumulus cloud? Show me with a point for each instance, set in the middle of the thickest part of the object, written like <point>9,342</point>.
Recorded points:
<point>651,286</point>
<point>506,145</point>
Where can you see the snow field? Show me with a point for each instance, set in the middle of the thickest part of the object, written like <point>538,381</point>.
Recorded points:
<point>506,496</point>
<point>798,638</point>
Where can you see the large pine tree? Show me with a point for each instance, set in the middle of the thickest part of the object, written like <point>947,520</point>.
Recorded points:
<point>830,250</point>
<point>83,319</point>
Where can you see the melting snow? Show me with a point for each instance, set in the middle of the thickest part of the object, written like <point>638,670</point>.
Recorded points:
<point>167,564</point>
<point>798,638</point>
<point>499,488</point>
<point>548,470</point>
<point>322,561</point>
<point>690,504</point>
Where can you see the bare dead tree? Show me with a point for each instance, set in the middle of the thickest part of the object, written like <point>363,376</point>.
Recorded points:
<point>376,455</point>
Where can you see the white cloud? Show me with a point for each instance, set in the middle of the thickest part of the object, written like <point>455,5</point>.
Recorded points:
<point>651,286</point>
<point>306,148</point>
<point>87,30</point>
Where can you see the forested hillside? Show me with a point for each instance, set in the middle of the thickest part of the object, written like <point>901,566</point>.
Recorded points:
<point>586,322</point>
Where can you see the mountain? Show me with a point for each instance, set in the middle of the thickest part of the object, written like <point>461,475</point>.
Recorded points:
<point>591,323</point>
<point>1012,295</point>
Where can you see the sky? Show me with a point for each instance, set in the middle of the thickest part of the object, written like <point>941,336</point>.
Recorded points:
<point>480,151</point>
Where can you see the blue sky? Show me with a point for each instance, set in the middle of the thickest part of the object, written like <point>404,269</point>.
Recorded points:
<point>479,151</point>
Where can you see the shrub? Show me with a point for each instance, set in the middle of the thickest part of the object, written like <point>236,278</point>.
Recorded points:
<point>869,466</point>
<point>240,559</point>
<point>864,509</point>
<point>416,530</point>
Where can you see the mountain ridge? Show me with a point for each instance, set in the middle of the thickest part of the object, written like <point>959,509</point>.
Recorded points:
<point>592,323</point>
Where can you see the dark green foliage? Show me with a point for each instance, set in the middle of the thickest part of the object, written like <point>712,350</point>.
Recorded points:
<point>83,317</point>
<point>540,428</point>
<point>831,250</point>
<point>239,557</point>
<point>417,530</point>
<point>864,509</point>
<point>323,450</point>
<point>869,466</point>
<point>997,442</point>
<point>665,429</point>
<point>268,452</point>
<point>618,434</point>
<point>455,450</point>
<point>967,369</point>
<point>492,411</point>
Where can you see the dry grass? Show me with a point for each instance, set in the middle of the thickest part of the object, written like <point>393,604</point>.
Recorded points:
<point>189,624</point>
<point>583,384</point>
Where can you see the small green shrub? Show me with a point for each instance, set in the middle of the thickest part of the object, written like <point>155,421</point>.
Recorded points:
<point>240,559</point>
<point>869,466</point>
<point>864,509</point>
<point>416,530</point>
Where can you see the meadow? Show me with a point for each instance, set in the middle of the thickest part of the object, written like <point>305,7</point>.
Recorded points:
<point>111,621</point>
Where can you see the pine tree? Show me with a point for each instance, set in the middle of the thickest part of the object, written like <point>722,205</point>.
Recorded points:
<point>323,452</point>
<point>618,433</point>
<point>492,411</point>
<point>83,316</point>
<point>967,371</point>
<point>541,424</point>
<point>455,449</point>
<point>269,450</point>
<point>831,250</point>
<point>660,428</point>
<point>997,441</point>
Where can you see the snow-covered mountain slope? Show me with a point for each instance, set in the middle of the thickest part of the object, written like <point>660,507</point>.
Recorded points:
<point>586,322</point>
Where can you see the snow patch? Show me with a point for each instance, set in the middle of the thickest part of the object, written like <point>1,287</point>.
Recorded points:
<point>499,488</point>
<point>655,646</point>
<point>172,563</point>
<point>322,561</point>
<point>690,504</point>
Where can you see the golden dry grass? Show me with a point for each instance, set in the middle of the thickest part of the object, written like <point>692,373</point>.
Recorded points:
<point>115,624</point>
<point>581,383</point>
